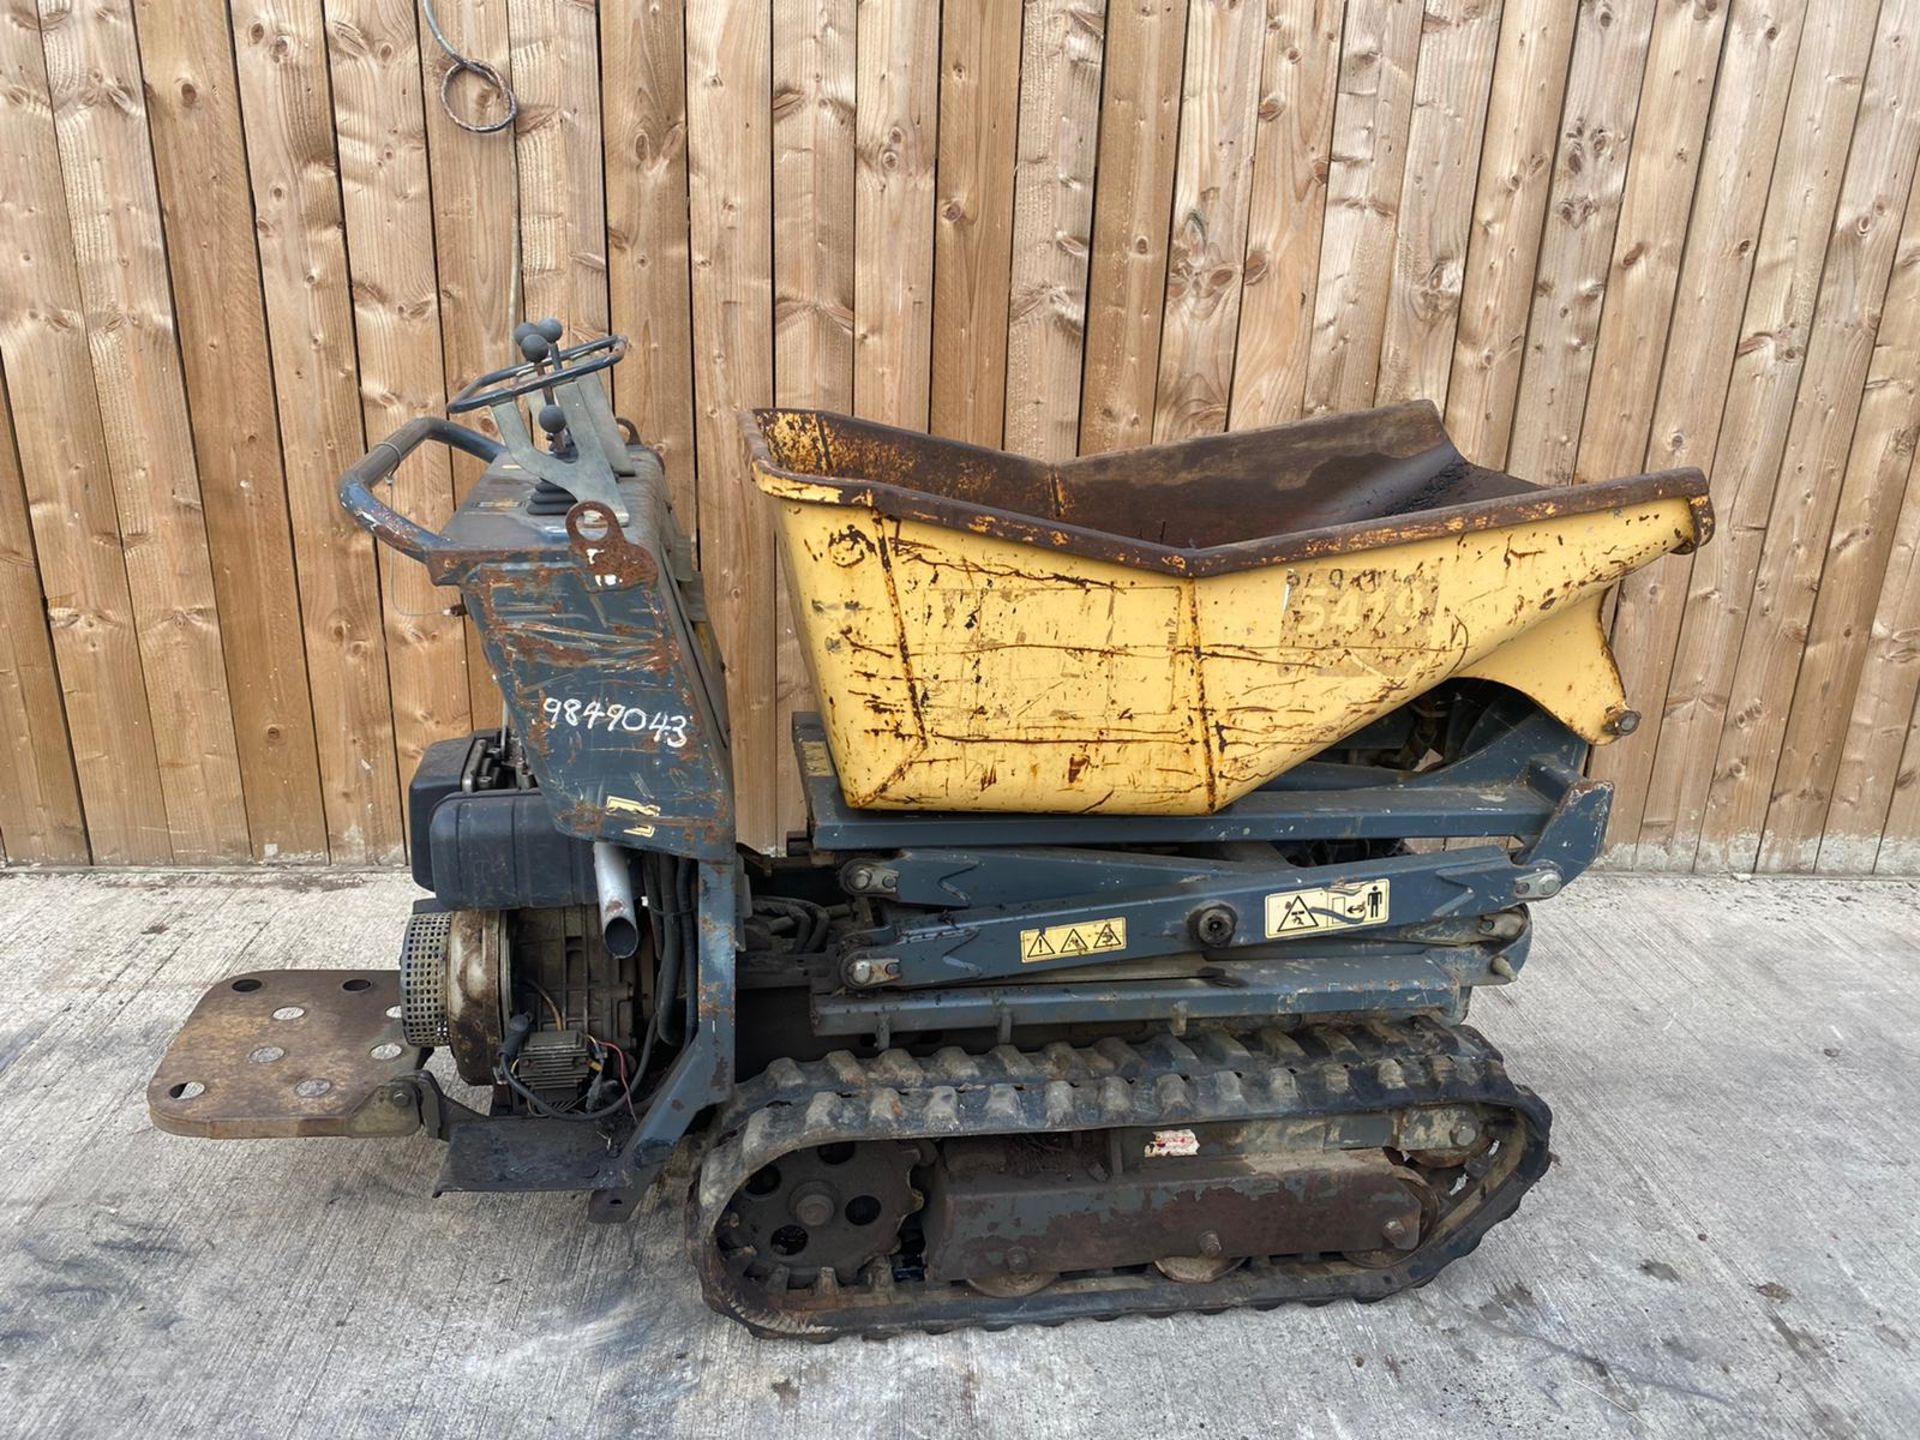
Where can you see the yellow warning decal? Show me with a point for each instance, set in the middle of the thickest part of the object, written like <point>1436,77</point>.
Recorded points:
<point>1067,942</point>
<point>1331,907</point>
<point>621,805</point>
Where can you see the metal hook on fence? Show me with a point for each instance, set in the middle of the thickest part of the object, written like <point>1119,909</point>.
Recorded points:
<point>480,69</point>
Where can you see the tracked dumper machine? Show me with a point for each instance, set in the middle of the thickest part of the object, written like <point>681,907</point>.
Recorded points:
<point>1165,811</point>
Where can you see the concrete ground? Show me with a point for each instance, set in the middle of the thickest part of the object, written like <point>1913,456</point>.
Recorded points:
<point>1725,1245</point>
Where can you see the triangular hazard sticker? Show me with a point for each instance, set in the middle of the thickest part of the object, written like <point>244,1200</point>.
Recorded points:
<point>1073,944</point>
<point>1299,916</point>
<point>1037,947</point>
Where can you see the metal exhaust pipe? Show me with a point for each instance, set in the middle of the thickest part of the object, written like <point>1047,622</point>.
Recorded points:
<point>619,922</point>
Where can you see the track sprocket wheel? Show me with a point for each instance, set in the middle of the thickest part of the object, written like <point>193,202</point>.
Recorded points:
<point>835,1207</point>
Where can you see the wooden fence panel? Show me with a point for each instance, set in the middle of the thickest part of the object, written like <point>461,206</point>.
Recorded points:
<point>644,118</point>
<point>286,108</point>
<point>1839,636</point>
<point>973,238</point>
<point>394,279</point>
<point>113,205</point>
<point>63,461</point>
<point>1060,72</point>
<point>247,236</point>
<point>1509,213</point>
<point>896,119</point>
<point>1840,346</point>
<point>1808,161</point>
<point>476,222</point>
<point>1292,158</point>
<point>201,165</point>
<point>563,231</point>
<point>1729,200</point>
<point>1127,272</point>
<point>1371,116</point>
<point>1452,85</point>
<point>1206,248</point>
<point>730,189</point>
<point>813,300</point>
<point>40,819</point>
<point>1570,277</point>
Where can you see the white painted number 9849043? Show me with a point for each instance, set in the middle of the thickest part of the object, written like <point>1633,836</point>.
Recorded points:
<point>665,728</point>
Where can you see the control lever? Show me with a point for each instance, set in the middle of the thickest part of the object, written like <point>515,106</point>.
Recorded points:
<point>588,466</point>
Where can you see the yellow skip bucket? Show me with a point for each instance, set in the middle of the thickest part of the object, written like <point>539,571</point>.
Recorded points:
<point>1161,631</point>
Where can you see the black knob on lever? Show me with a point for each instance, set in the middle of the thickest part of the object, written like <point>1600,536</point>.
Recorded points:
<point>553,420</point>
<point>538,339</point>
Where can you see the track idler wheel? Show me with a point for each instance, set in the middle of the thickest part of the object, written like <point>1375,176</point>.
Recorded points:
<point>1013,1287</point>
<point>1399,1243</point>
<point>1202,1269</point>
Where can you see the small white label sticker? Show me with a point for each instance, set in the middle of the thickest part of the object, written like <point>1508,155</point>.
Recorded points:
<point>1331,907</point>
<point>1173,1142</point>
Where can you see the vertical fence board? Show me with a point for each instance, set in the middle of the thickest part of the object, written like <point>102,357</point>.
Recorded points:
<point>730,185</point>
<point>897,115</point>
<point>563,223</point>
<point>1900,841</point>
<point>1062,54</point>
<point>476,242</point>
<point>973,232</point>
<point>1509,212</point>
<point>388,206</point>
<point>1570,279</point>
<point>644,115</point>
<point>1842,632</point>
<point>1853,286</point>
<point>1292,149</point>
<point>1206,249</point>
<point>63,461</point>
<point>1451,87</point>
<point>1730,196</point>
<point>280,48</point>
<point>201,168</point>
<point>1371,115</point>
<point>113,207</point>
<point>1127,270</point>
<point>40,818</point>
<point>813,242</point>
<point>813,235</point>
<point>1649,240</point>
<point>1879,785</point>
<point>1883,704</point>
<point>1802,192</point>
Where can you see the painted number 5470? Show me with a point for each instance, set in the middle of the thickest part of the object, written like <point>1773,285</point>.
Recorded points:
<point>665,728</point>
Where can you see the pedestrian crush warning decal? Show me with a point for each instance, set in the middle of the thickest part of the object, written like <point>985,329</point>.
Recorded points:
<point>1064,942</point>
<point>1328,908</point>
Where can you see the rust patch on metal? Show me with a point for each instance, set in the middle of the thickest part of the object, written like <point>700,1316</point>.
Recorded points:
<point>604,552</point>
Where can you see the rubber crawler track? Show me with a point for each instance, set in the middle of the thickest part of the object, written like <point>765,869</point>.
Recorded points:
<point>1308,1073</point>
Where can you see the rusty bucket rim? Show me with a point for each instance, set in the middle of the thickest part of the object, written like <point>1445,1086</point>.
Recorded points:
<point>1533,503</point>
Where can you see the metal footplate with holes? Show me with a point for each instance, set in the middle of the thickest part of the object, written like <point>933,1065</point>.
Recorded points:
<point>284,1053</point>
<point>1363,1116</point>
